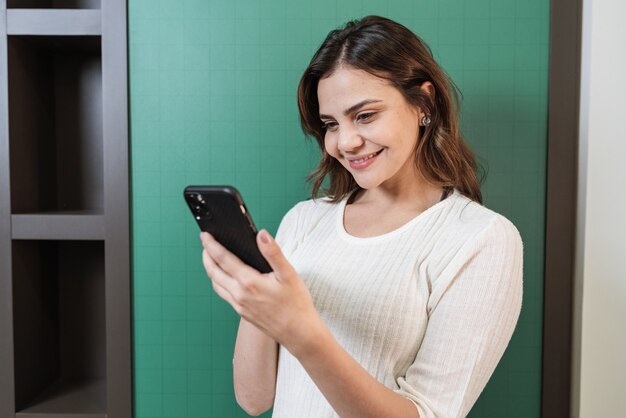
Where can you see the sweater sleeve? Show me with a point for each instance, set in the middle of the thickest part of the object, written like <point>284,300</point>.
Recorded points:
<point>476,302</point>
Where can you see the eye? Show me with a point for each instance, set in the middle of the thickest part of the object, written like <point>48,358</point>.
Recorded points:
<point>365,117</point>
<point>329,125</point>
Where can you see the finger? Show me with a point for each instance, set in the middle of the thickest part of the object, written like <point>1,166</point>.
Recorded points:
<point>223,284</point>
<point>225,295</point>
<point>227,261</point>
<point>243,282</point>
<point>273,254</point>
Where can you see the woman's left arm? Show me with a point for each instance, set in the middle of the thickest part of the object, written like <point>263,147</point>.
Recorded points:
<point>279,304</point>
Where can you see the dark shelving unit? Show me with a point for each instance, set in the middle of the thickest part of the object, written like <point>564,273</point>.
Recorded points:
<point>65,321</point>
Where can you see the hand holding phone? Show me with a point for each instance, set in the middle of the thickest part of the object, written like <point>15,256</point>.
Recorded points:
<point>221,211</point>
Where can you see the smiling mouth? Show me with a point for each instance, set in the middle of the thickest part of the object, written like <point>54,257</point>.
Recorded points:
<point>362,160</point>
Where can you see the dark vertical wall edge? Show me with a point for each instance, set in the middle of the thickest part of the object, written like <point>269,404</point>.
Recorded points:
<point>564,80</point>
<point>116,208</point>
<point>7,393</point>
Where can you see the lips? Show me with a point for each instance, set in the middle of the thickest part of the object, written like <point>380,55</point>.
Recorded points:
<point>364,161</point>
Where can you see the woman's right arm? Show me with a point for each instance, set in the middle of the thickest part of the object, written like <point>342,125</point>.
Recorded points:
<point>255,365</point>
<point>255,360</point>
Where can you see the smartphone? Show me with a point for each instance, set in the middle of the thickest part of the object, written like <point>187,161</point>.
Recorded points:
<point>220,211</point>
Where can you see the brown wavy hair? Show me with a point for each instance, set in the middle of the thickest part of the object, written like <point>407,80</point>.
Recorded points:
<point>389,50</point>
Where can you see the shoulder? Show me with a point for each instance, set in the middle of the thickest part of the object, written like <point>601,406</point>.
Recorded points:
<point>311,210</point>
<point>465,229</point>
<point>478,244</point>
<point>305,216</point>
<point>476,222</point>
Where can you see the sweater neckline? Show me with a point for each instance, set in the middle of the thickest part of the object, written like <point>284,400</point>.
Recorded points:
<point>341,229</point>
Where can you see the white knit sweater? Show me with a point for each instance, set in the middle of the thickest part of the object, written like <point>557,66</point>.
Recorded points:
<point>427,309</point>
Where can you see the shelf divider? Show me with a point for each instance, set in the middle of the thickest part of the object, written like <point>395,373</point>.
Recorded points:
<point>58,226</point>
<point>59,22</point>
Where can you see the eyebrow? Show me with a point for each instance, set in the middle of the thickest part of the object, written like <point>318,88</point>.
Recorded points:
<point>352,108</point>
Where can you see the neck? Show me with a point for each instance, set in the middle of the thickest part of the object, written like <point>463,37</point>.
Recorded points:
<point>419,195</point>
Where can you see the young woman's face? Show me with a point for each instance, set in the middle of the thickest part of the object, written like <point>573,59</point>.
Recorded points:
<point>370,127</point>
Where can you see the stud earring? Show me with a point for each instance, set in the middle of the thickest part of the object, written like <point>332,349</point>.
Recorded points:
<point>426,120</point>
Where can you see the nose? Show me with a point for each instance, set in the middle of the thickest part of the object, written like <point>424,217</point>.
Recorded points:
<point>349,139</point>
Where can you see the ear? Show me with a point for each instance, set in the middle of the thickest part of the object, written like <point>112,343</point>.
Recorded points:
<point>428,88</point>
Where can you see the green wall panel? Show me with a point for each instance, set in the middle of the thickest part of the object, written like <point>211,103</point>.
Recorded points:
<point>212,90</point>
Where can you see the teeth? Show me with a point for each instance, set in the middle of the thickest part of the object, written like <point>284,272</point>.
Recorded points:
<point>364,159</point>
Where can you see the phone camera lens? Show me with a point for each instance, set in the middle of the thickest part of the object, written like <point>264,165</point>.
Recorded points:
<point>199,207</point>
<point>202,209</point>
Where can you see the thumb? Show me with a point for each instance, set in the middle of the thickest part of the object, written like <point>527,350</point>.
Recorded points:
<point>273,254</point>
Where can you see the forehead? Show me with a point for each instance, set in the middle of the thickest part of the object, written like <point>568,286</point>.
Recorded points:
<point>347,86</point>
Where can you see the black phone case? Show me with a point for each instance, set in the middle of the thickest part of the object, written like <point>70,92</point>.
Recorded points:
<point>220,210</point>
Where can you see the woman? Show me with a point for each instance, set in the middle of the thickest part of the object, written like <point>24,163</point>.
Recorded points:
<point>396,294</point>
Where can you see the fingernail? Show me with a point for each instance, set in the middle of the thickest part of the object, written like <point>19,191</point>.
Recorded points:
<point>265,237</point>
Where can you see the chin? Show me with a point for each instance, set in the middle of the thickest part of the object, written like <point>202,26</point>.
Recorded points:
<point>366,184</point>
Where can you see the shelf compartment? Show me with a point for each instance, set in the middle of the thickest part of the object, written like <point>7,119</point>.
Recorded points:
<point>58,226</point>
<point>69,399</point>
<point>59,327</point>
<point>54,22</point>
<point>55,123</point>
<point>53,4</point>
